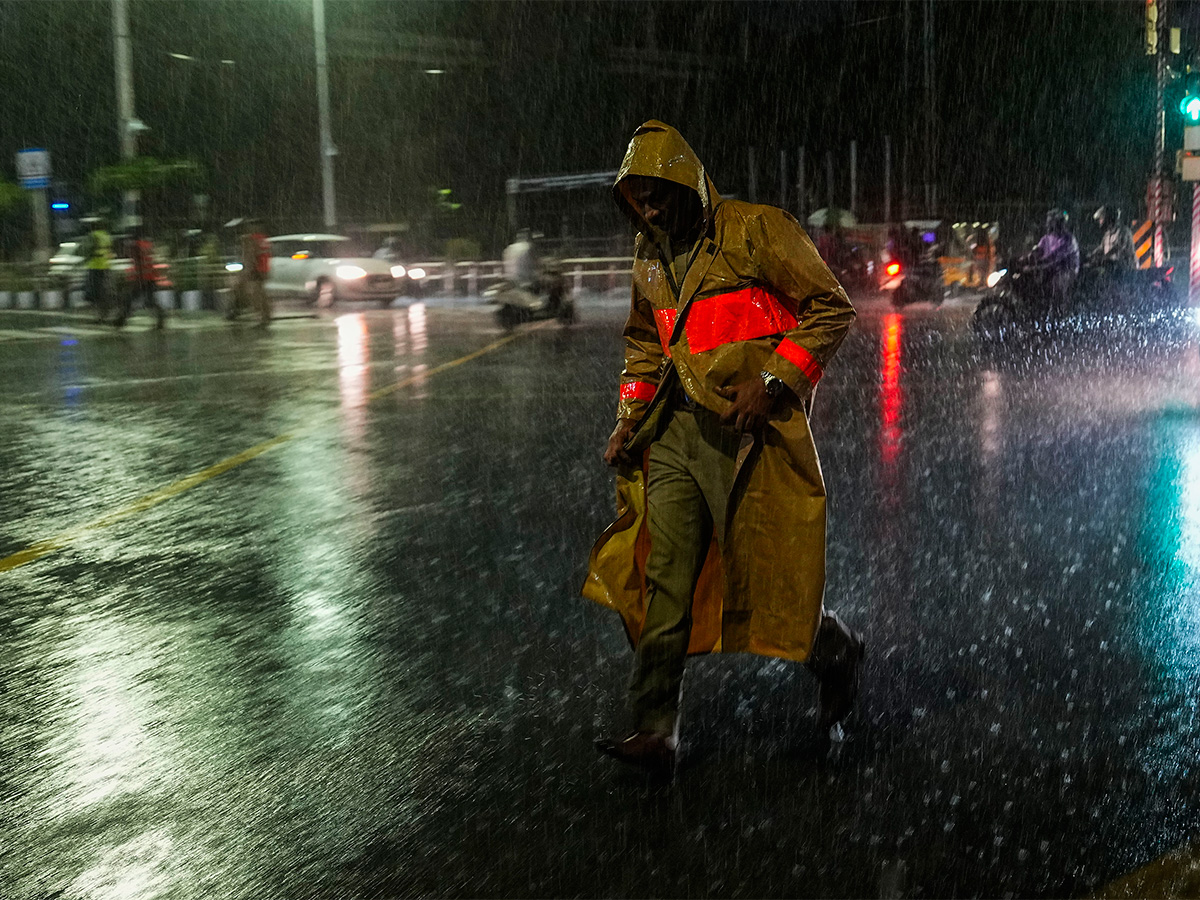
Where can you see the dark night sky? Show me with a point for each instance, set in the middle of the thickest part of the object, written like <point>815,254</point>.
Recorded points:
<point>1037,102</point>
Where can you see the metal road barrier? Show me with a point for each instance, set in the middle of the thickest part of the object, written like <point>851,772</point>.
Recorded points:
<point>29,286</point>
<point>470,279</point>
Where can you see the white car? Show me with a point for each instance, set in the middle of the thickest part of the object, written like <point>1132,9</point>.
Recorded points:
<point>67,264</point>
<point>327,268</point>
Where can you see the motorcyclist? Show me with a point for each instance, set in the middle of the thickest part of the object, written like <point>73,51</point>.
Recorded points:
<point>520,261</point>
<point>1056,258</point>
<point>1115,249</point>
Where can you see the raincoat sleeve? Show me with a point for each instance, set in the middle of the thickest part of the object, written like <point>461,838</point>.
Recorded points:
<point>643,359</point>
<point>785,258</point>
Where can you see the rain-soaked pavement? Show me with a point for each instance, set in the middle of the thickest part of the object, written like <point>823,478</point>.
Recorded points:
<point>356,664</point>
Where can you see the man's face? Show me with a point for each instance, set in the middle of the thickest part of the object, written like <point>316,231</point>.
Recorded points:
<point>664,204</point>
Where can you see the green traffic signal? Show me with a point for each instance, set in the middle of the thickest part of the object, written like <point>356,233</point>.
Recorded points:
<point>1190,107</point>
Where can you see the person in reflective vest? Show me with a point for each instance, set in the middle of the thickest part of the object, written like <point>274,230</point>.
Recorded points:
<point>719,542</point>
<point>96,264</point>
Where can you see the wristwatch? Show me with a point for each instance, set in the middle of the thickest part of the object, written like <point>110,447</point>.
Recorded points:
<point>774,385</point>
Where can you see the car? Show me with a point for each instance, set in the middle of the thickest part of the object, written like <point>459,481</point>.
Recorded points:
<point>329,268</point>
<point>67,264</point>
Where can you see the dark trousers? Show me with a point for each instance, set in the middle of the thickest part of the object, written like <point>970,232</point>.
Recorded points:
<point>250,291</point>
<point>95,290</point>
<point>142,289</point>
<point>688,483</point>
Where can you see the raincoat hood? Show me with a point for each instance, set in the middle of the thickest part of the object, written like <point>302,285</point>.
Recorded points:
<point>659,151</point>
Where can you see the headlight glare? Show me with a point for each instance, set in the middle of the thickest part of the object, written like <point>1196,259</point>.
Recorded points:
<point>350,272</point>
<point>398,271</point>
<point>416,273</point>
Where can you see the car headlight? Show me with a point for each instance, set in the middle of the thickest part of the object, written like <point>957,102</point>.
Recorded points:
<point>350,272</point>
<point>416,273</point>
<point>994,278</point>
<point>233,267</point>
<point>398,271</point>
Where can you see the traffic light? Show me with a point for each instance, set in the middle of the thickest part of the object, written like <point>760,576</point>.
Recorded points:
<point>1189,106</point>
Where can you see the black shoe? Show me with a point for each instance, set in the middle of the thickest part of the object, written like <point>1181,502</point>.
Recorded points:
<point>646,750</point>
<point>839,687</point>
<point>837,661</point>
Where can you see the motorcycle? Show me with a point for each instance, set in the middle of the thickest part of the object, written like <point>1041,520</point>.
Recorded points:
<point>544,299</point>
<point>1020,304</point>
<point>918,282</point>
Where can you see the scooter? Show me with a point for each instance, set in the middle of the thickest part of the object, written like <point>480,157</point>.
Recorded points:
<point>921,282</point>
<point>1006,310</point>
<point>913,282</point>
<point>516,305</point>
<point>1019,304</point>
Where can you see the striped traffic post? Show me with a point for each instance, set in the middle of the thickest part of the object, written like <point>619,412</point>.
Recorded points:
<point>1194,281</point>
<point>1189,169</point>
<point>1158,217</point>
<point>1142,243</point>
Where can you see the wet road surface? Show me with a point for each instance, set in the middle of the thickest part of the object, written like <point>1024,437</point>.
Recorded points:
<point>354,662</point>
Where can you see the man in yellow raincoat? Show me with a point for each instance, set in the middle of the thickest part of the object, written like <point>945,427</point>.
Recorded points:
<point>719,542</point>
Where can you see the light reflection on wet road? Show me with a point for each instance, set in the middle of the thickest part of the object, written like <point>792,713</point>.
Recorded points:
<point>357,665</point>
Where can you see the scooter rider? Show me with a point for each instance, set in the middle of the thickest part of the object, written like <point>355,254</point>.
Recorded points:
<point>520,261</point>
<point>1056,258</point>
<point>1116,241</point>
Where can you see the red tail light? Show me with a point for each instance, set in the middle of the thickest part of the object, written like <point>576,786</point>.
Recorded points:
<point>893,269</point>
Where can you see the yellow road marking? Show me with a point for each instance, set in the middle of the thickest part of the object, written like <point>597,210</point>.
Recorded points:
<point>59,541</point>
<point>46,547</point>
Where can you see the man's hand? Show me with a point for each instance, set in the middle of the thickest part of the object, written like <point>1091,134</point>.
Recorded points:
<point>614,453</point>
<point>750,406</point>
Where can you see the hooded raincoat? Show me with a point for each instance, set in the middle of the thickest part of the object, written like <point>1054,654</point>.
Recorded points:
<point>756,298</point>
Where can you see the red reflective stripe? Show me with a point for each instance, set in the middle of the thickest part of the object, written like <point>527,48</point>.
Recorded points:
<point>665,320</point>
<point>637,390</point>
<point>737,316</point>
<point>801,358</point>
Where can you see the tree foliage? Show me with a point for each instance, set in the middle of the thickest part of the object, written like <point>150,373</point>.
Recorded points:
<point>145,173</point>
<point>11,197</point>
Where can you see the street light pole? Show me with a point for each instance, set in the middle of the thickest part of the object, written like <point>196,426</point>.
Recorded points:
<point>126,119</point>
<point>930,127</point>
<point>1160,133</point>
<point>328,151</point>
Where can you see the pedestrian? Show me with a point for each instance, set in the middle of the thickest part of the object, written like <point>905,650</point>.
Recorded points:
<point>719,544</point>
<point>250,287</point>
<point>97,253</point>
<point>143,279</point>
<point>211,268</point>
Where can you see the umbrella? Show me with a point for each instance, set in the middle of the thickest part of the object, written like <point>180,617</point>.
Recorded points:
<point>832,217</point>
